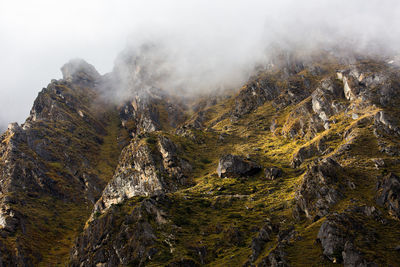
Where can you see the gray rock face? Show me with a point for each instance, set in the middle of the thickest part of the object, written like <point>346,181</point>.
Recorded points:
<point>258,243</point>
<point>139,116</point>
<point>332,240</point>
<point>389,194</point>
<point>236,166</point>
<point>254,95</point>
<point>353,258</point>
<point>103,244</point>
<point>319,188</point>
<point>190,128</point>
<point>338,235</point>
<point>273,173</point>
<point>323,99</point>
<point>144,111</point>
<point>316,148</point>
<point>41,157</point>
<point>145,168</point>
<point>78,70</point>
<point>384,123</point>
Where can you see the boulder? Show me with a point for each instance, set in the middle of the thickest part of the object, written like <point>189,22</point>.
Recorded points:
<point>352,257</point>
<point>332,239</point>
<point>272,173</point>
<point>236,166</point>
<point>340,234</point>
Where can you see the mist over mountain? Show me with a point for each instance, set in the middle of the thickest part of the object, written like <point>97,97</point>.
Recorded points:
<point>205,44</point>
<point>200,133</point>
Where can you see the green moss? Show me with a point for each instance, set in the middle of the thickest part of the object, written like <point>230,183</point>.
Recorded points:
<point>110,148</point>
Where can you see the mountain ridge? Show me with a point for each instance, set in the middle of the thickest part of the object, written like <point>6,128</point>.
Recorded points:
<point>134,181</point>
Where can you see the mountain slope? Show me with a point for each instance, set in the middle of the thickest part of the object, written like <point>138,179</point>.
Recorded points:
<point>54,167</point>
<point>319,126</point>
<point>136,180</point>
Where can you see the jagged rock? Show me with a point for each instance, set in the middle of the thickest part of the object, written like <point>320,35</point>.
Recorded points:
<point>273,173</point>
<point>236,166</point>
<point>54,167</point>
<point>323,99</point>
<point>319,189</point>
<point>139,116</point>
<point>78,70</point>
<point>253,95</point>
<point>339,233</point>
<point>303,122</point>
<point>14,127</point>
<point>349,92</point>
<point>190,133</point>
<point>145,168</point>
<point>191,128</point>
<point>48,160</point>
<point>173,165</point>
<point>305,152</point>
<point>131,243</point>
<point>352,257</point>
<point>389,194</point>
<point>332,240</point>
<point>384,124</point>
<point>258,242</point>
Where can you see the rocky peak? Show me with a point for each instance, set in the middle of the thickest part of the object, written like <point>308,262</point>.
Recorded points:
<point>78,70</point>
<point>148,166</point>
<point>139,69</point>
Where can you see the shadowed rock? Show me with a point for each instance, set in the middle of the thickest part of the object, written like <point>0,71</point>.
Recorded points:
<point>273,173</point>
<point>389,194</point>
<point>236,166</point>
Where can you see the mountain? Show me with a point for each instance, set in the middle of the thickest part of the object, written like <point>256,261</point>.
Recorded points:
<point>298,167</point>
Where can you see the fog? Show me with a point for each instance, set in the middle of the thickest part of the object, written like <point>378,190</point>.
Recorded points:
<point>205,44</point>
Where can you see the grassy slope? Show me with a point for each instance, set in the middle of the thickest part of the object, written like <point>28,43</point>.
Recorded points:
<point>207,212</point>
<point>62,221</point>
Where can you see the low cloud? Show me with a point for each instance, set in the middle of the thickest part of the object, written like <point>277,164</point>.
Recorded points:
<point>201,45</point>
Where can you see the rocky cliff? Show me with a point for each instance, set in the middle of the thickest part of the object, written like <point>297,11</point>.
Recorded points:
<point>298,167</point>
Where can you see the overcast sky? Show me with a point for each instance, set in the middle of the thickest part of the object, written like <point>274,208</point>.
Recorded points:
<point>38,37</point>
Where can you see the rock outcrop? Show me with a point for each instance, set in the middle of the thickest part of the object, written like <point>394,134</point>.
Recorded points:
<point>133,243</point>
<point>236,166</point>
<point>147,166</point>
<point>320,189</point>
<point>79,71</point>
<point>273,172</point>
<point>339,234</point>
<point>389,194</point>
<point>258,242</point>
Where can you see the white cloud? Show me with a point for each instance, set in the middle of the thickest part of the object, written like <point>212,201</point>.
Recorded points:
<point>216,37</point>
